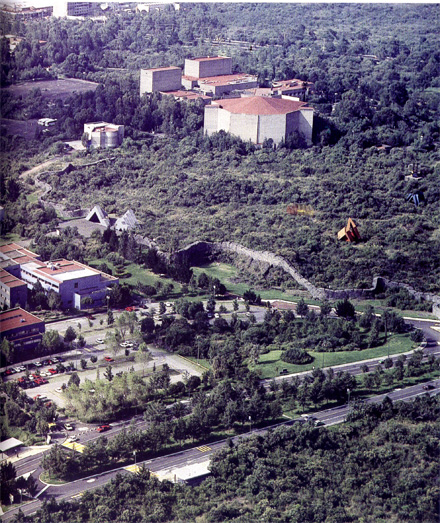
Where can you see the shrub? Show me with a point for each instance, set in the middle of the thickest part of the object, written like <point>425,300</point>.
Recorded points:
<point>297,356</point>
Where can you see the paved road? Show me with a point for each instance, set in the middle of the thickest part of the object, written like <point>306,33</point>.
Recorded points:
<point>195,455</point>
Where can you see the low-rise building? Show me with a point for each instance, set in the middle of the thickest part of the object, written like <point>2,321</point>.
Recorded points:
<point>160,79</point>
<point>12,256</point>
<point>13,291</point>
<point>21,328</point>
<point>104,135</point>
<point>221,85</point>
<point>78,285</point>
<point>259,118</point>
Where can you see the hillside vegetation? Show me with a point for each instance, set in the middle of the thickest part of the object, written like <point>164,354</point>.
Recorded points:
<point>376,73</point>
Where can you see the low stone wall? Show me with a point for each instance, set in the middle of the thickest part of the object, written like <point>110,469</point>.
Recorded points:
<point>199,252</point>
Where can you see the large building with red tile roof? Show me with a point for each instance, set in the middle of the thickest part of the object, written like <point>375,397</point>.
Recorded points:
<point>21,328</point>
<point>259,118</point>
<point>13,255</point>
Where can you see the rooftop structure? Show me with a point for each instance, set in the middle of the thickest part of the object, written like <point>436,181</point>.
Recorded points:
<point>21,328</point>
<point>292,87</point>
<point>188,95</point>
<point>160,79</point>
<point>218,85</point>
<point>13,291</point>
<point>259,118</point>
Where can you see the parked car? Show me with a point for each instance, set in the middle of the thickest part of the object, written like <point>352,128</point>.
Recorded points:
<point>72,439</point>
<point>68,426</point>
<point>99,340</point>
<point>53,371</point>
<point>103,428</point>
<point>59,390</point>
<point>107,358</point>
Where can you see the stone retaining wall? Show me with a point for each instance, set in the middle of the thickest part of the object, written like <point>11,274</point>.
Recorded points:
<point>201,251</point>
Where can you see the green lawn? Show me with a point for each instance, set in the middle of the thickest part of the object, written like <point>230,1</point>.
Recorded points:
<point>229,276</point>
<point>10,237</point>
<point>270,364</point>
<point>135,274</point>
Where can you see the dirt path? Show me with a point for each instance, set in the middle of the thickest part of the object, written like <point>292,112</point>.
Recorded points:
<point>40,166</point>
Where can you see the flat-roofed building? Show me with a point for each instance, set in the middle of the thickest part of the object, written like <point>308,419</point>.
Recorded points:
<point>207,66</point>
<point>220,85</point>
<point>13,291</point>
<point>78,285</point>
<point>13,255</point>
<point>21,328</point>
<point>259,118</point>
<point>160,79</point>
<point>62,8</point>
<point>104,135</point>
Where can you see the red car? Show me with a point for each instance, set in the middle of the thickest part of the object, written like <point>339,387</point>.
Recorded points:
<point>52,371</point>
<point>130,309</point>
<point>107,358</point>
<point>103,428</point>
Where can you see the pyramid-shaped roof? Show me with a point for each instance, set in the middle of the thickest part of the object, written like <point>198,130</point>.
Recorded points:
<point>128,221</point>
<point>98,215</point>
<point>260,105</point>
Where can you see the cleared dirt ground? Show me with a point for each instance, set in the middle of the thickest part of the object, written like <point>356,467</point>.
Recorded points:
<point>53,89</point>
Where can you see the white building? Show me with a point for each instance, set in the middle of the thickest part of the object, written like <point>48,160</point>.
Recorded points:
<point>73,281</point>
<point>259,118</point>
<point>104,135</point>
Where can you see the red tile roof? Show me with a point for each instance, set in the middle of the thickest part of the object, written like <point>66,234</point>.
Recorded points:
<point>14,318</point>
<point>261,105</point>
<point>10,281</point>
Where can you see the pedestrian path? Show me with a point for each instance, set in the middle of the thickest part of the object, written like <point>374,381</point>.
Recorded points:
<point>204,448</point>
<point>74,445</point>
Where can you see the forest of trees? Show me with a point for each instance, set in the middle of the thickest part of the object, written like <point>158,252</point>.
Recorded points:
<point>381,466</point>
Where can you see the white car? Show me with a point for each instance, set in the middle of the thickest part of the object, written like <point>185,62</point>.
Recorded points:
<point>71,439</point>
<point>99,340</point>
<point>59,390</point>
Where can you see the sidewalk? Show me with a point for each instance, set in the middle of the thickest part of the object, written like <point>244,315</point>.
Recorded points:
<point>25,452</point>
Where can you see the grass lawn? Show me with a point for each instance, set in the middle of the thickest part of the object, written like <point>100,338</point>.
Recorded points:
<point>135,274</point>
<point>52,480</point>
<point>270,364</point>
<point>229,275</point>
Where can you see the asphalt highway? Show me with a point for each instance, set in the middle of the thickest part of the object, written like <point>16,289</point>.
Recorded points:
<point>199,454</point>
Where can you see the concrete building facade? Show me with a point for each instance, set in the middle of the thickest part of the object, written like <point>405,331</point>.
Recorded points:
<point>13,291</point>
<point>104,135</point>
<point>62,8</point>
<point>205,67</point>
<point>73,281</point>
<point>258,118</point>
<point>160,79</point>
<point>21,328</point>
<point>220,85</point>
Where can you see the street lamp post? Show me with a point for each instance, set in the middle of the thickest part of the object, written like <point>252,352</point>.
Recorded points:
<point>250,419</point>
<point>134,452</point>
<point>348,393</point>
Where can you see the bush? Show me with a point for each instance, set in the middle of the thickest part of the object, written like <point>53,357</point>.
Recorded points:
<point>297,356</point>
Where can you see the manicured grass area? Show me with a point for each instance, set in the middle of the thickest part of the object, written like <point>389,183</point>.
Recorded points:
<point>51,480</point>
<point>270,364</point>
<point>229,276</point>
<point>380,307</point>
<point>33,197</point>
<point>136,274</point>
<point>408,381</point>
